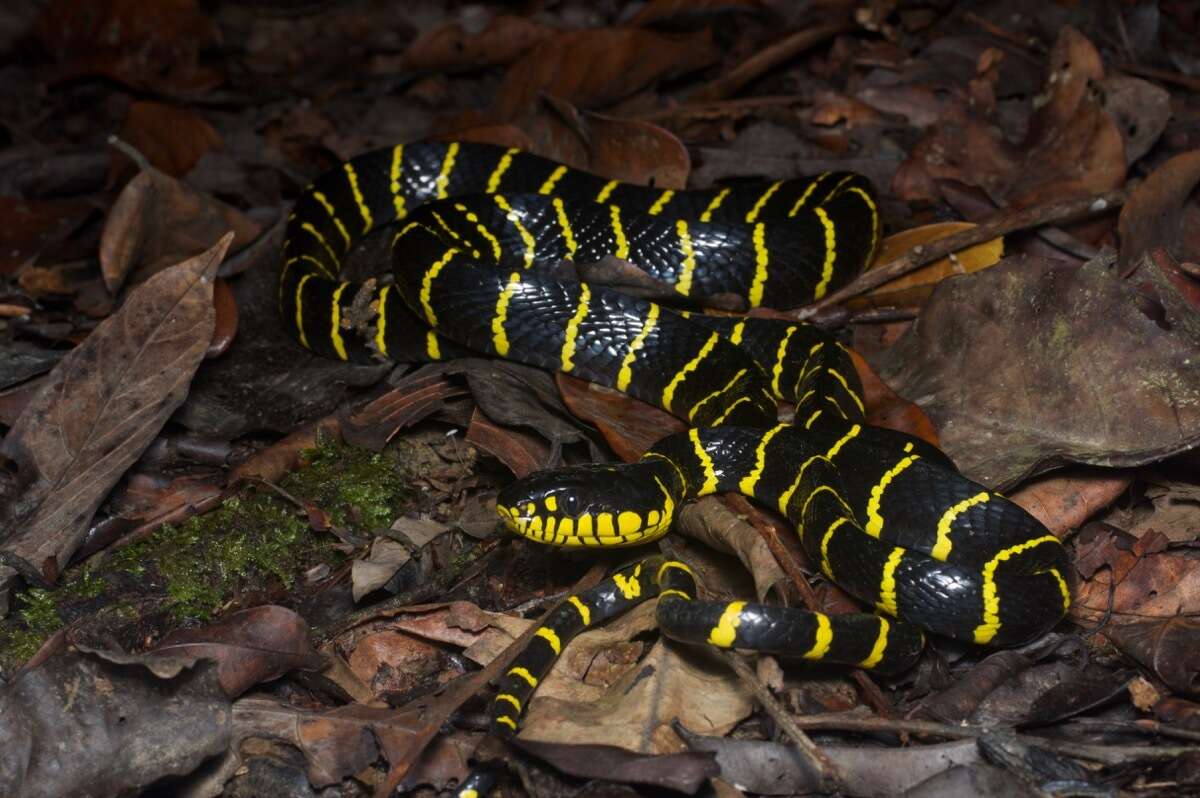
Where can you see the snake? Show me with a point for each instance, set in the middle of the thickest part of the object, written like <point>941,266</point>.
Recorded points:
<point>487,244</point>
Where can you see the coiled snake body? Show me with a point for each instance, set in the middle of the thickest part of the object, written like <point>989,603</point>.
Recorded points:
<point>481,236</point>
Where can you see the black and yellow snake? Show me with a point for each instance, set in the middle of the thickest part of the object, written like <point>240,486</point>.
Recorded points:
<point>482,236</point>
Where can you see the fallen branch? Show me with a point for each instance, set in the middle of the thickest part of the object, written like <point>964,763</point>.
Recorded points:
<point>1001,224</point>
<point>826,771</point>
<point>1105,754</point>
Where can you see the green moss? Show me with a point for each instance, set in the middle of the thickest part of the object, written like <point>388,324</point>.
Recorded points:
<point>256,542</point>
<point>359,489</point>
<point>37,614</point>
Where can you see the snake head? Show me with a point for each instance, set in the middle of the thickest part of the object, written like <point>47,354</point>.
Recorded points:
<point>589,505</point>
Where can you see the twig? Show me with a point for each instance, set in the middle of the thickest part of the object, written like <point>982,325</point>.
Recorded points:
<point>721,109</point>
<point>1143,725</point>
<point>1165,75</point>
<point>1107,754</point>
<point>783,50</point>
<point>1035,216</point>
<point>1027,42</point>
<point>131,152</point>
<point>826,771</point>
<point>769,533</point>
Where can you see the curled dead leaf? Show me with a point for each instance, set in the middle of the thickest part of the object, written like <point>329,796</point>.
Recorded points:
<point>1156,208</point>
<point>915,287</point>
<point>1168,647</point>
<point>595,67</point>
<point>250,646</point>
<point>158,220</point>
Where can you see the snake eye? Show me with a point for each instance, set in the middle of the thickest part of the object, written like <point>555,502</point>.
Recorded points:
<point>568,503</point>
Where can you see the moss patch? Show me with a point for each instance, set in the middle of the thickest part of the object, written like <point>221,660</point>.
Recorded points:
<point>250,549</point>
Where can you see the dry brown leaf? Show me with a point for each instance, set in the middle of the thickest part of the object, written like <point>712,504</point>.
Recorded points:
<point>335,744</point>
<point>84,722</point>
<point>158,220</point>
<point>1141,110</point>
<point>915,287</point>
<point>170,137</point>
<point>373,571</point>
<point>451,47</point>
<point>629,427</point>
<point>501,135</point>
<point>251,646</point>
<point>671,683</point>
<point>1067,498</point>
<point>226,322</point>
<point>99,409</point>
<point>521,451</point>
<point>1150,584</point>
<point>634,151</point>
<point>394,662</point>
<point>593,68</point>
<point>711,522</point>
<point>1169,647</point>
<point>1153,214</point>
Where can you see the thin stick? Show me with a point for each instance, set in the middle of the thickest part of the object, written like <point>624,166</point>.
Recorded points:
<point>998,225</point>
<point>826,771</point>
<point>1165,75</point>
<point>1108,754</point>
<point>130,152</point>
<point>720,109</point>
<point>781,51</point>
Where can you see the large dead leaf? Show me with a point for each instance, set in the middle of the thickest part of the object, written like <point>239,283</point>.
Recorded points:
<point>158,220</point>
<point>95,723</point>
<point>593,68</point>
<point>1167,646</point>
<point>99,409</point>
<point>1034,363</point>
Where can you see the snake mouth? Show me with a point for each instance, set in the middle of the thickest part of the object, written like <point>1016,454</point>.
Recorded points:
<point>586,506</point>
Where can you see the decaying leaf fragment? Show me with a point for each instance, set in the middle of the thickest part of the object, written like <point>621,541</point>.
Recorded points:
<point>1035,363</point>
<point>95,723</point>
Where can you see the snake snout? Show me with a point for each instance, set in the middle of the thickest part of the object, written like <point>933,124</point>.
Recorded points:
<point>586,506</point>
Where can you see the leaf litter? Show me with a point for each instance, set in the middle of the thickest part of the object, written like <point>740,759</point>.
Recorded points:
<point>1036,165</point>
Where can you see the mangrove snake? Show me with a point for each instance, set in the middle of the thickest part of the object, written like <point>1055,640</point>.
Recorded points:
<point>478,254</point>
